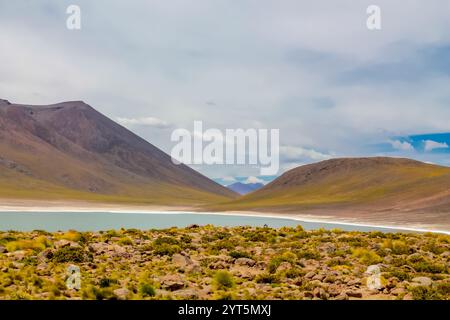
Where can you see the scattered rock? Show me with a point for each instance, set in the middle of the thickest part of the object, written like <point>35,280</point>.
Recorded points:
<point>65,243</point>
<point>354,293</point>
<point>172,283</point>
<point>187,294</point>
<point>354,282</point>
<point>284,266</point>
<point>122,293</point>
<point>398,291</point>
<point>341,296</point>
<point>408,296</point>
<point>180,260</point>
<point>245,262</point>
<point>422,281</point>
<point>320,293</point>
<point>47,254</point>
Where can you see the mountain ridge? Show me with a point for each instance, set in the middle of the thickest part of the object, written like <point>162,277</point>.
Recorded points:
<point>72,146</point>
<point>371,188</point>
<point>244,188</point>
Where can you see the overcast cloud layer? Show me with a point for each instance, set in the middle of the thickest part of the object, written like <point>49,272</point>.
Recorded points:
<point>309,68</point>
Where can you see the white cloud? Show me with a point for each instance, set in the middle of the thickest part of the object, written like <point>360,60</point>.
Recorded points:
<point>253,179</point>
<point>291,153</point>
<point>228,179</point>
<point>430,145</point>
<point>401,145</point>
<point>145,121</point>
<point>277,60</point>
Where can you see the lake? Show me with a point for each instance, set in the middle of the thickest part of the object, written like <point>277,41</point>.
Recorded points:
<point>95,221</point>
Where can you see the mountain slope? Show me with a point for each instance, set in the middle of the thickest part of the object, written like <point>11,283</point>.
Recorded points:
<point>69,150</point>
<point>356,186</point>
<point>244,188</point>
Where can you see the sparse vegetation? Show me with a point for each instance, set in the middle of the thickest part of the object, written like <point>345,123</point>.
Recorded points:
<point>223,263</point>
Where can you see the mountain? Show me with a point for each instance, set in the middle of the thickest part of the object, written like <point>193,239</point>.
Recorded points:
<point>371,188</point>
<point>244,188</point>
<point>70,151</point>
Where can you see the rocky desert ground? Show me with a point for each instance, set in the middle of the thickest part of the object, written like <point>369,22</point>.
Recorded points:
<point>207,262</point>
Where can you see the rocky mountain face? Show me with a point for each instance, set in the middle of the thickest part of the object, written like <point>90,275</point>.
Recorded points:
<point>70,149</point>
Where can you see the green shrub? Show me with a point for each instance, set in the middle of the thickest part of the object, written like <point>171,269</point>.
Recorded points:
<point>166,249</point>
<point>107,282</point>
<point>125,241</point>
<point>71,254</point>
<point>25,245</point>
<point>239,254</point>
<point>396,246</point>
<point>267,278</point>
<point>307,254</point>
<point>147,290</point>
<point>434,247</point>
<point>223,280</point>
<point>366,256</point>
<point>223,244</point>
<point>429,267</point>
<point>440,291</point>
<point>166,240</point>
<point>275,262</point>
<point>400,274</point>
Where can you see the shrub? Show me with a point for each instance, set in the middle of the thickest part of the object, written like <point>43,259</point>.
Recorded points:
<point>186,239</point>
<point>257,236</point>
<point>366,256</point>
<point>71,254</point>
<point>166,249</point>
<point>223,244</point>
<point>125,241</point>
<point>223,280</point>
<point>434,247</point>
<point>293,273</point>
<point>429,267</point>
<point>308,254</point>
<point>25,245</point>
<point>107,282</point>
<point>440,291</point>
<point>400,274</point>
<point>396,246</point>
<point>267,278</point>
<point>239,254</point>
<point>277,260</point>
<point>71,235</point>
<point>147,290</point>
<point>166,240</point>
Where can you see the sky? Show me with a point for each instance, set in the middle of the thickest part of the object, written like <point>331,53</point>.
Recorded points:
<point>311,69</point>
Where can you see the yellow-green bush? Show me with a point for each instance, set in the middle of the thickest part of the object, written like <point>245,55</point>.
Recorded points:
<point>366,256</point>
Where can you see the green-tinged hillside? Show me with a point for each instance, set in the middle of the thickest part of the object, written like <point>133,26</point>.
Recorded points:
<point>377,184</point>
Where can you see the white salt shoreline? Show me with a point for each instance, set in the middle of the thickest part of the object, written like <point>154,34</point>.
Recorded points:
<point>172,210</point>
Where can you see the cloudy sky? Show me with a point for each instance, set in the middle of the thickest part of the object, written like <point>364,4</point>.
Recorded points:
<point>309,68</point>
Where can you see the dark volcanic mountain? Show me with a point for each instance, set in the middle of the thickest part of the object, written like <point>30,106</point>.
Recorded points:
<point>69,150</point>
<point>244,188</point>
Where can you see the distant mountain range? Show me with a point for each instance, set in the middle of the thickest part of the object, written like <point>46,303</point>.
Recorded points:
<point>70,151</point>
<point>244,188</point>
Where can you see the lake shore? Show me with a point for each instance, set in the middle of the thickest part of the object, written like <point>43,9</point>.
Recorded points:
<point>79,206</point>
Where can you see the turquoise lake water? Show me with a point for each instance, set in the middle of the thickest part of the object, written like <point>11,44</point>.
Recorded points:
<point>95,221</point>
